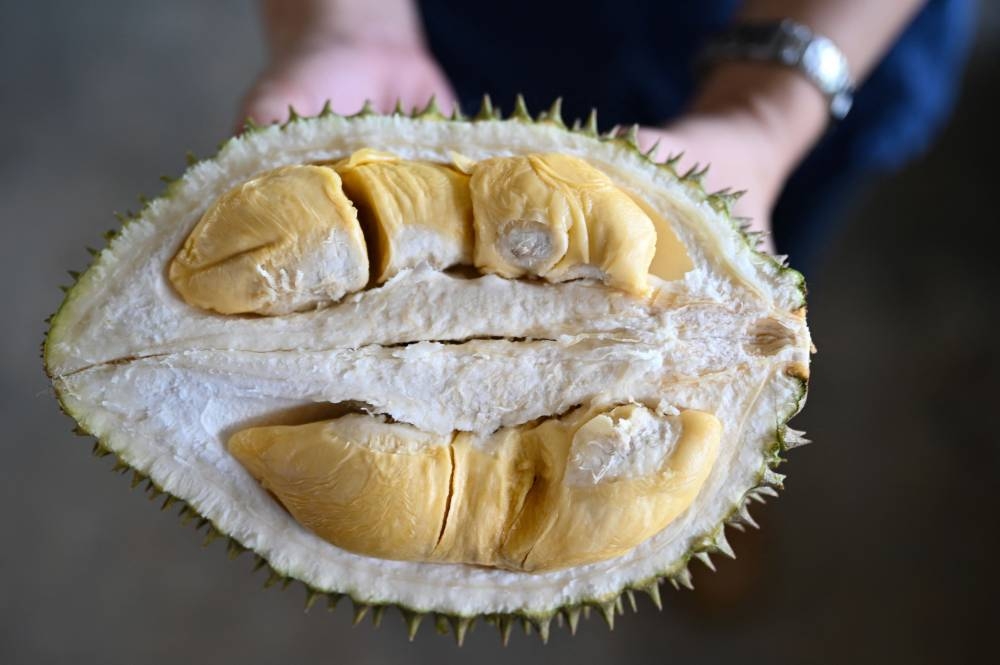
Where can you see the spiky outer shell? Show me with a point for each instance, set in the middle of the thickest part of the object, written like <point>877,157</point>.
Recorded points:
<point>707,222</point>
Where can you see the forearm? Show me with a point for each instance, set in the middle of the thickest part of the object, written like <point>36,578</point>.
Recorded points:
<point>295,24</point>
<point>780,102</point>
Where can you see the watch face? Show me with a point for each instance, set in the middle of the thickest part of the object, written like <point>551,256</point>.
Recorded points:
<point>824,62</point>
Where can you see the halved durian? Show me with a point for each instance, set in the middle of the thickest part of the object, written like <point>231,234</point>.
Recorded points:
<point>562,402</point>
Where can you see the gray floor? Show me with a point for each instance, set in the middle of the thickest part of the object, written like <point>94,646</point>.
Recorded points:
<point>880,550</point>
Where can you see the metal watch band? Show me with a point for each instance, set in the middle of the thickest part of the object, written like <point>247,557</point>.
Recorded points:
<point>793,45</point>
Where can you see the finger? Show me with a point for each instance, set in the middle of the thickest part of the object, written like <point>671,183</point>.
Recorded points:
<point>269,101</point>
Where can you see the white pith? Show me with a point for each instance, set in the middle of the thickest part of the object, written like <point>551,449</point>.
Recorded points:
<point>164,384</point>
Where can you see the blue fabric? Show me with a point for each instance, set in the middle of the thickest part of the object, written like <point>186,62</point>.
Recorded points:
<point>633,61</point>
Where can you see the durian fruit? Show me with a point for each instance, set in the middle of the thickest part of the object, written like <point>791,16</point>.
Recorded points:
<point>484,368</point>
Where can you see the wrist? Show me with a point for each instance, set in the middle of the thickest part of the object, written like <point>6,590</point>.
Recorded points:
<point>785,111</point>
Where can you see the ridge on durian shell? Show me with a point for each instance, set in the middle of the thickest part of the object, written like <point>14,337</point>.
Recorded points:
<point>768,484</point>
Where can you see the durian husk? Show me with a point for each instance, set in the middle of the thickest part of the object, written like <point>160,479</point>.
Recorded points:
<point>196,506</point>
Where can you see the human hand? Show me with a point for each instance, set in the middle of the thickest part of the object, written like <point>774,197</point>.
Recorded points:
<point>751,124</point>
<point>346,74</point>
<point>740,157</point>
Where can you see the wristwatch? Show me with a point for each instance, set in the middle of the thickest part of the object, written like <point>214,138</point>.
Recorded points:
<point>793,45</point>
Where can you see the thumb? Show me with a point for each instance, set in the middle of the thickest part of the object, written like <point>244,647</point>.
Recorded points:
<point>268,102</point>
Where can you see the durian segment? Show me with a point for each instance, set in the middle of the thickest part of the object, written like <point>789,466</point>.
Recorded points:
<point>556,216</point>
<point>569,521</point>
<point>281,242</point>
<point>522,499</point>
<point>492,477</point>
<point>413,212</point>
<point>360,482</point>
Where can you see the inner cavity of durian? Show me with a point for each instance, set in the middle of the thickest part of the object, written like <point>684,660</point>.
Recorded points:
<point>565,490</point>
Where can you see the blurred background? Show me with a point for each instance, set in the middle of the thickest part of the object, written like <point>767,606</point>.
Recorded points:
<point>880,549</point>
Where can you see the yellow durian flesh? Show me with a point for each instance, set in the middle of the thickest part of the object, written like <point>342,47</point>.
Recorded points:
<point>567,523</point>
<point>556,216</point>
<point>305,236</point>
<point>412,212</point>
<point>504,500</point>
<point>378,488</point>
<point>281,242</point>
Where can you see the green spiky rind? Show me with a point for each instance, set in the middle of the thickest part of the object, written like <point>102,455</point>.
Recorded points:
<point>767,484</point>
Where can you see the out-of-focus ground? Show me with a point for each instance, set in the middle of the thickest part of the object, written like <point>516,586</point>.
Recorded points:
<point>880,550</point>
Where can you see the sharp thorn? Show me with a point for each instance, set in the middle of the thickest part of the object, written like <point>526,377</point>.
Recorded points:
<point>412,621</point>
